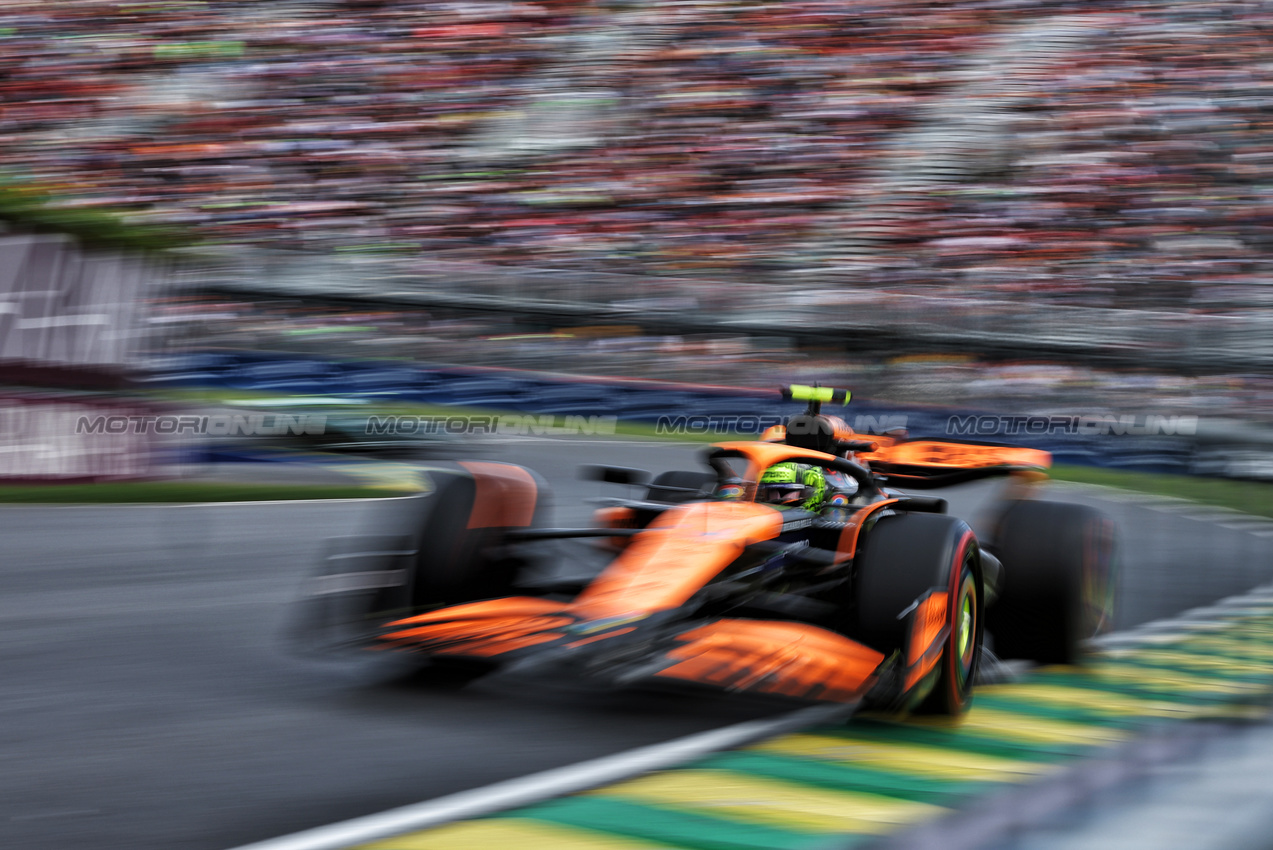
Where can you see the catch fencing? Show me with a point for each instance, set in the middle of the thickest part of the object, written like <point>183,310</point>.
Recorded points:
<point>846,316</point>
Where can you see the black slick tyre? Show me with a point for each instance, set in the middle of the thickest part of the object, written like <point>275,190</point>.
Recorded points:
<point>456,562</point>
<point>901,560</point>
<point>1059,580</point>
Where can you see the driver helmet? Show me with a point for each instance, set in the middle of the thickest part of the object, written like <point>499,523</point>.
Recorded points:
<point>792,485</point>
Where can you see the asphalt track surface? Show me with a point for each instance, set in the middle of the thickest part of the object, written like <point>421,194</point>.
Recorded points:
<point>148,700</point>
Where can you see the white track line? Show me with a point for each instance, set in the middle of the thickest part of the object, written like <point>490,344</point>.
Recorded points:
<point>1255,526</point>
<point>1228,518</point>
<point>548,784</point>
<point>1197,619</point>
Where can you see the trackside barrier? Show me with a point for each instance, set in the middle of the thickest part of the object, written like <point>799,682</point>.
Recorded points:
<point>1157,444</point>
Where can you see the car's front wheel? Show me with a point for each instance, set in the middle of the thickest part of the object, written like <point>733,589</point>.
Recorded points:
<point>903,559</point>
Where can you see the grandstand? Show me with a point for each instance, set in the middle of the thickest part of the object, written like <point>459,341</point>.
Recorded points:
<point>1111,154</point>
<point>755,187</point>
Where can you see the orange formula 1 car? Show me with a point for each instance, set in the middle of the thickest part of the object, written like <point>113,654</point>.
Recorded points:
<point>789,566</point>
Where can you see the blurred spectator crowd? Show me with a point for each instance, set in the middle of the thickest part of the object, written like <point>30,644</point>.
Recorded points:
<point>722,139</point>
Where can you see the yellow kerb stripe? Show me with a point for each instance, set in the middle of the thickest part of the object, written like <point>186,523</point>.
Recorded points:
<point>1093,700</point>
<point>911,759</point>
<point>735,796</point>
<point>1192,683</point>
<point>510,834</point>
<point>1026,728</point>
<point>1233,646</point>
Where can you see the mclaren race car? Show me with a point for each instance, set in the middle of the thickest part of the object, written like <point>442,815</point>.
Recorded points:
<point>791,566</point>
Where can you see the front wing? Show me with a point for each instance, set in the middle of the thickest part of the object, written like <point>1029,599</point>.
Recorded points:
<point>780,658</point>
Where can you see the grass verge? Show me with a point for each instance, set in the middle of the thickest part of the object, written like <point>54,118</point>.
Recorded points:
<point>153,492</point>
<point>622,428</point>
<point>1251,497</point>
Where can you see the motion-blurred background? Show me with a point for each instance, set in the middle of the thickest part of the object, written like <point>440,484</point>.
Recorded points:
<point>971,211</point>
<point>995,205</point>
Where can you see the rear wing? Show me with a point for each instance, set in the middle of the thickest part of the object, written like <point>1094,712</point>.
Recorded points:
<point>916,464</point>
<point>938,463</point>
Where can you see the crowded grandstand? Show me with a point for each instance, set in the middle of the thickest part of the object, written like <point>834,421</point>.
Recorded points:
<point>1100,154</point>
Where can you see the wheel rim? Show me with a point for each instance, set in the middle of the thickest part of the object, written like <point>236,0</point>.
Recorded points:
<point>965,631</point>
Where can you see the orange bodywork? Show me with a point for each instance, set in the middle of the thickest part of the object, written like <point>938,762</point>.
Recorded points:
<point>615,518</point>
<point>483,629</point>
<point>662,567</point>
<point>761,456</point>
<point>934,453</point>
<point>848,543</point>
<point>930,619</point>
<point>505,498</point>
<point>929,629</point>
<point>786,659</point>
<point>676,555</point>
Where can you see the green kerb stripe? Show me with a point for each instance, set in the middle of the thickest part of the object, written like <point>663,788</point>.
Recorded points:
<point>1203,672</point>
<point>843,777</point>
<point>1226,690</point>
<point>890,733</point>
<point>1191,655</point>
<point>676,828</point>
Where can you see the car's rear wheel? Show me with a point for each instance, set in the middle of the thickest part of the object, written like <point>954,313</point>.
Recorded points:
<point>460,558</point>
<point>1059,580</point>
<point>441,547</point>
<point>904,558</point>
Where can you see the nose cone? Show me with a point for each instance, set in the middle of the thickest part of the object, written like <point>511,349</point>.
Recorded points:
<point>681,551</point>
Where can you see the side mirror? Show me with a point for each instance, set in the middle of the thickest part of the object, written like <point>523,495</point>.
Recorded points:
<point>614,474</point>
